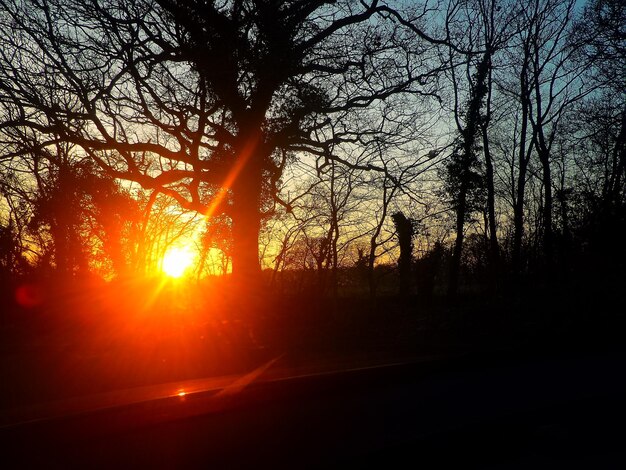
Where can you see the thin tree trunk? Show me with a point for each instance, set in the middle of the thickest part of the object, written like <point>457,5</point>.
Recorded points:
<point>371,281</point>
<point>333,235</point>
<point>619,164</point>
<point>494,250</point>
<point>523,157</point>
<point>455,262</point>
<point>491,201</point>
<point>544,156</point>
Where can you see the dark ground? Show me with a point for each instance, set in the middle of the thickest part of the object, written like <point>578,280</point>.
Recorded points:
<point>95,338</point>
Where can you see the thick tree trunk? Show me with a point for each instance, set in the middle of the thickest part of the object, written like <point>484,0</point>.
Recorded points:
<point>246,220</point>
<point>405,231</point>
<point>247,301</point>
<point>246,226</point>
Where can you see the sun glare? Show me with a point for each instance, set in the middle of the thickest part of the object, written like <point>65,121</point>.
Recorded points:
<point>176,261</point>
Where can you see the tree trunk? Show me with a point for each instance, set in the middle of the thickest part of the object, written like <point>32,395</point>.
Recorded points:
<point>544,156</point>
<point>489,171</point>
<point>246,219</point>
<point>371,280</point>
<point>619,164</point>
<point>333,234</point>
<point>494,250</point>
<point>455,262</point>
<point>473,123</point>
<point>523,158</point>
<point>246,267</point>
<point>405,231</point>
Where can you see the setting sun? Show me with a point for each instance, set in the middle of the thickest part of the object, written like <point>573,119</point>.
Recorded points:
<point>176,261</point>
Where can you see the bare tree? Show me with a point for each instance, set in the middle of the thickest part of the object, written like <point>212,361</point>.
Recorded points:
<point>480,30</point>
<point>195,99</point>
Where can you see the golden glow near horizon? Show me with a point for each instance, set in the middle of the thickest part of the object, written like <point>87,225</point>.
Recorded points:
<point>177,261</point>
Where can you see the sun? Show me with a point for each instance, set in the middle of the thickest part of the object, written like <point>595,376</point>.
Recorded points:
<point>176,261</point>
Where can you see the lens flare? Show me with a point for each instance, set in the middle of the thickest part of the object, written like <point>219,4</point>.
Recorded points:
<point>176,261</point>
<point>28,295</point>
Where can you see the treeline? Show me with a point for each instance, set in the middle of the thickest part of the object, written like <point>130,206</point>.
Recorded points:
<point>531,181</point>
<point>436,149</point>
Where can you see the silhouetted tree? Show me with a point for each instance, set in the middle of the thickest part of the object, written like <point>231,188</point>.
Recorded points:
<point>542,79</point>
<point>601,37</point>
<point>481,31</point>
<point>87,216</point>
<point>405,231</point>
<point>463,178</point>
<point>10,252</point>
<point>197,99</point>
<point>217,235</point>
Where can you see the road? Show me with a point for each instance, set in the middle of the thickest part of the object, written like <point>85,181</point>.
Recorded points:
<point>473,411</point>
